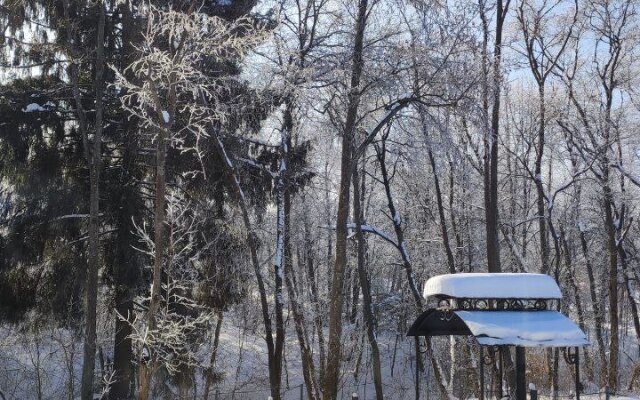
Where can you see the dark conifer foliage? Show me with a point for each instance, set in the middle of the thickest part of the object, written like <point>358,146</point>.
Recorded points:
<point>45,178</point>
<point>43,170</point>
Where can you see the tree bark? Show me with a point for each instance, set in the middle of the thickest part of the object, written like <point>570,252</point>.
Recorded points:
<point>612,251</point>
<point>365,284</point>
<point>595,305</point>
<point>540,200</point>
<point>334,350</point>
<point>315,297</point>
<point>491,159</point>
<point>127,266</point>
<point>443,221</point>
<point>571,278</point>
<point>406,262</point>
<point>209,373</point>
<point>627,284</point>
<point>252,243</point>
<point>94,160</point>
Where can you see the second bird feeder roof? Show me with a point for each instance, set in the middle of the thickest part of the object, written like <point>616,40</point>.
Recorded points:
<point>493,286</point>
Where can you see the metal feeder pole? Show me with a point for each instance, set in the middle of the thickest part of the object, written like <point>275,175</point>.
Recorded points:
<point>521,381</point>
<point>578,373</point>
<point>481,373</point>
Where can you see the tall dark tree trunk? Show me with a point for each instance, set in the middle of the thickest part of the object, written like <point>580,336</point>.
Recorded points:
<point>443,221</point>
<point>210,372</point>
<point>573,284</point>
<point>491,145</point>
<point>336,300</point>
<point>127,262</point>
<point>315,297</point>
<point>94,159</point>
<point>541,202</point>
<point>306,351</point>
<point>252,243</point>
<point>597,311</point>
<point>365,283</point>
<point>406,262</point>
<point>612,252</point>
<point>491,164</point>
<point>624,263</point>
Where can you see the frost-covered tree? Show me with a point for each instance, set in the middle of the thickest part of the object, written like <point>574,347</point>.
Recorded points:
<point>177,103</point>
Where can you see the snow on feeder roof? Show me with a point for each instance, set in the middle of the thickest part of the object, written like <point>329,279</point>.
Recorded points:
<point>523,328</point>
<point>493,286</point>
<point>502,328</point>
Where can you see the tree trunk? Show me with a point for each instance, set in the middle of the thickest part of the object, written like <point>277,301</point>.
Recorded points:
<point>365,283</point>
<point>540,200</point>
<point>336,296</point>
<point>595,304</point>
<point>629,289</point>
<point>330,386</point>
<point>491,164</point>
<point>283,208</point>
<point>209,372</point>
<point>127,265</point>
<point>406,262</point>
<point>94,161</point>
<point>443,221</point>
<point>571,278</point>
<point>315,298</point>
<point>148,368</point>
<point>252,244</point>
<point>612,251</point>
<point>397,226</point>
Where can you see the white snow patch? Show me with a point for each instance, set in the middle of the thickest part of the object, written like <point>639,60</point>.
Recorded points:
<point>396,219</point>
<point>493,286</point>
<point>33,107</point>
<point>371,229</point>
<point>523,328</point>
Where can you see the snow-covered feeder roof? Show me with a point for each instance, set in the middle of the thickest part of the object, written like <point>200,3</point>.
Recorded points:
<point>503,328</point>
<point>523,328</point>
<point>493,286</point>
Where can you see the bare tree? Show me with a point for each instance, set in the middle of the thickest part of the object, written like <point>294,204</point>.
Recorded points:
<point>544,43</point>
<point>611,23</point>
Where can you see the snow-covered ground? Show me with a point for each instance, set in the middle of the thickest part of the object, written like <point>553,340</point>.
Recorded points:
<point>44,363</point>
<point>244,361</point>
<point>595,397</point>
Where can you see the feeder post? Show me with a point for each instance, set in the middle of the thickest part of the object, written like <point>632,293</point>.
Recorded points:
<point>481,372</point>
<point>578,388</point>
<point>521,381</point>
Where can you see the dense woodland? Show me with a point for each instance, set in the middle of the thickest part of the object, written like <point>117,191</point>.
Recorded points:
<point>178,177</point>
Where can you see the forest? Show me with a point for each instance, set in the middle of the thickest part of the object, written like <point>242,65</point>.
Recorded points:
<point>243,199</point>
